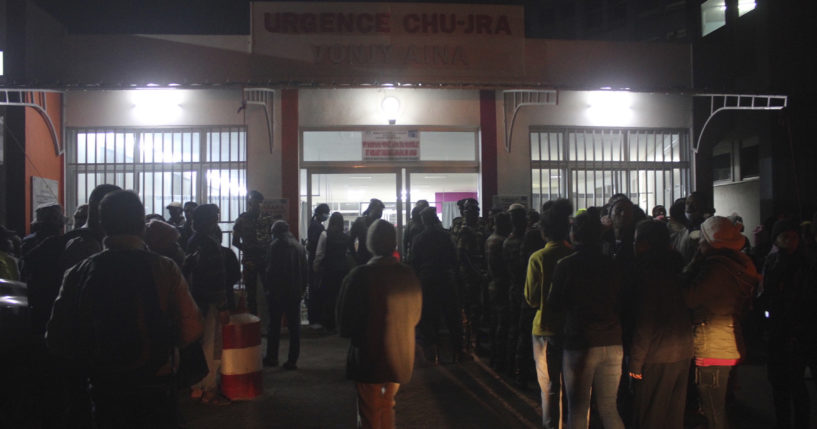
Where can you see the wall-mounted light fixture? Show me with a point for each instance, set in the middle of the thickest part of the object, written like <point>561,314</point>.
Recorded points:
<point>391,108</point>
<point>609,107</point>
<point>156,106</point>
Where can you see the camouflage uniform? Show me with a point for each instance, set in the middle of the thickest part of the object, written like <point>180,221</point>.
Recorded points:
<point>470,254</point>
<point>254,232</point>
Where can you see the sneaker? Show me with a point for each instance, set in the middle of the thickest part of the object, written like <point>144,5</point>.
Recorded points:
<point>290,366</point>
<point>270,362</point>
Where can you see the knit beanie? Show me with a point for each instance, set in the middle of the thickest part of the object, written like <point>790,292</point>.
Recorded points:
<point>381,238</point>
<point>721,233</point>
<point>160,235</point>
<point>782,226</point>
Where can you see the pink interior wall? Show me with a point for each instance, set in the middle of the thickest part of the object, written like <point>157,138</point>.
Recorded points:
<point>444,197</point>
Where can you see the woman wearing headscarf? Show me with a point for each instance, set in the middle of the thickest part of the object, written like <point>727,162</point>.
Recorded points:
<point>721,283</point>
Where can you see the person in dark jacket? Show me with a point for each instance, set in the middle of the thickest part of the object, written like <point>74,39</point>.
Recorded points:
<point>332,261</point>
<point>359,228</point>
<point>721,282</point>
<point>49,221</point>
<point>434,258</point>
<point>586,288</point>
<point>661,349</point>
<point>186,230</point>
<point>789,299</point>
<point>128,364</point>
<point>204,269</point>
<point>84,242</point>
<point>284,285</point>
<point>414,228</point>
<point>378,309</point>
<point>315,307</point>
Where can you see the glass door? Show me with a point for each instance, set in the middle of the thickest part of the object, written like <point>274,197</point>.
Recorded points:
<point>349,192</point>
<point>442,190</point>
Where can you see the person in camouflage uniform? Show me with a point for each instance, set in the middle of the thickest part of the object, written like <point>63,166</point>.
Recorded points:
<point>498,303</point>
<point>517,266</point>
<point>471,260</point>
<point>251,235</point>
<point>456,223</point>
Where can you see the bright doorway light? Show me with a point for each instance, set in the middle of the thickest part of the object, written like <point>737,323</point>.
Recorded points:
<point>1,63</point>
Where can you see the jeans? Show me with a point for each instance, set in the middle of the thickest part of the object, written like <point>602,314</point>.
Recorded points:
<point>599,369</point>
<point>375,405</point>
<point>291,307</point>
<point>548,357</point>
<point>713,383</point>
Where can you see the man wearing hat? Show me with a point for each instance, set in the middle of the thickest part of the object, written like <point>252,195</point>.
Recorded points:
<point>48,221</point>
<point>360,227</point>
<point>721,283</point>
<point>175,210</point>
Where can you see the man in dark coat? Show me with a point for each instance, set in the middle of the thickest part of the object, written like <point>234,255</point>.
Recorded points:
<point>434,258</point>
<point>359,229</point>
<point>315,295</point>
<point>284,285</point>
<point>378,308</point>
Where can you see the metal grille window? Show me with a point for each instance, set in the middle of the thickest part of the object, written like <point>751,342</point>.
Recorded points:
<point>205,165</point>
<point>589,165</point>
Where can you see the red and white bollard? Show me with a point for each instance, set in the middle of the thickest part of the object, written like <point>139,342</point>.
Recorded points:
<point>241,364</point>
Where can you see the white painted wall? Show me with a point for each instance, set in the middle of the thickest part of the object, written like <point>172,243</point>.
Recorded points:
<point>585,109</point>
<point>186,108</point>
<point>354,107</point>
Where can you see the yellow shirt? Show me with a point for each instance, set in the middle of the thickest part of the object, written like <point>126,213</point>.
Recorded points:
<point>537,285</point>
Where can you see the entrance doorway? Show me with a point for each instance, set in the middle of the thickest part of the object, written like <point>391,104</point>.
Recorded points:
<point>348,191</point>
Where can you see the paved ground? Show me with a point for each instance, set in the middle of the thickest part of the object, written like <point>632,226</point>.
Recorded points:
<point>467,395</point>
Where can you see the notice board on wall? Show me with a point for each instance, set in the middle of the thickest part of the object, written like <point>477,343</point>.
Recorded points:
<point>43,191</point>
<point>387,145</point>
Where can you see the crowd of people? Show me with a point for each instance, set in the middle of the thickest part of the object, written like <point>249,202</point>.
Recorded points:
<point>613,313</point>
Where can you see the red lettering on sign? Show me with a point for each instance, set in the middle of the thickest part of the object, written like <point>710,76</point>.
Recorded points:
<point>289,23</point>
<point>502,25</point>
<point>382,23</point>
<point>411,23</point>
<point>346,23</point>
<point>483,24</point>
<point>429,23</point>
<point>309,23</point>
<point>448,23</point>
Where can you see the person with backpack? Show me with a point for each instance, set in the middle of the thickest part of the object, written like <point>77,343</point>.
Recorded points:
<point>205,271</point>
<point>118,318</point>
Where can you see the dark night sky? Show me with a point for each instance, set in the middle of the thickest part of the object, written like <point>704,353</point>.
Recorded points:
<point>168,16</point>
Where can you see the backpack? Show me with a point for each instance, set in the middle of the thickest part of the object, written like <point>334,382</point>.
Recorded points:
<point>205,272</point>
<point>122,325</point>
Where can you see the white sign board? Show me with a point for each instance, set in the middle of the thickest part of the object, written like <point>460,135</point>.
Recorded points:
<point>43,191</point>
<point>391,145</point>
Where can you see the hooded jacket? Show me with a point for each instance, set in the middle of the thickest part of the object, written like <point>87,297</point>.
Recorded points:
<point>719,292</point>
